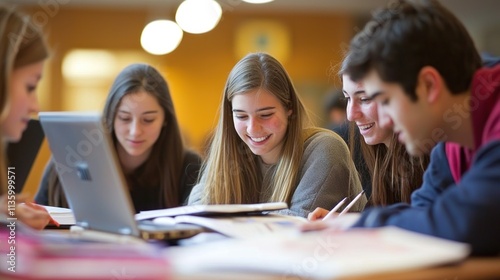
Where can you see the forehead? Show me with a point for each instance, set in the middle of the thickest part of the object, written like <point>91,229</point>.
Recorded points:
<point>350,87</point>
<point>256,97</point>
<point>375,87</point>
<point>373,83</point>
<point>34,70</point>
<point>139,100</point>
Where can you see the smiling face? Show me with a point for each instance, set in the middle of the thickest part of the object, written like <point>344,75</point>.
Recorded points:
<point>137,125</point>
<point>261,121</point>
<point>362,110</point>
<point>412,121</point>
<point>23,100</point>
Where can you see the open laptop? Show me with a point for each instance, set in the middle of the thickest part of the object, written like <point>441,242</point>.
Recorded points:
<point>93,181</point>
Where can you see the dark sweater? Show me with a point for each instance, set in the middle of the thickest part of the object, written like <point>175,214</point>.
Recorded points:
<point>144,198</point>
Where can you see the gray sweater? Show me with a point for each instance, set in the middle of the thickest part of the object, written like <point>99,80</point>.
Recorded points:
<point>327,175</point>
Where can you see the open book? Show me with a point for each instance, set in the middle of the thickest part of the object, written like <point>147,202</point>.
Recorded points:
<point>232,220</point>
<point>322,254</point>
<point>240,226</point>
<point>211,210</point>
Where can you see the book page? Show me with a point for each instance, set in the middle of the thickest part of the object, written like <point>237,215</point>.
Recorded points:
<point>243,226</point>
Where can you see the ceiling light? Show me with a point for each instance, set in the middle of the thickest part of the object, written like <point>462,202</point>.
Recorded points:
<point>198,16</point>
<point>161,37</point>
<point>88,64</point>
<point>258,1</point>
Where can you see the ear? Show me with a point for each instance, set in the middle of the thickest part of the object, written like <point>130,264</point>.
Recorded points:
<point>430,84</point>
<point>289,113</point>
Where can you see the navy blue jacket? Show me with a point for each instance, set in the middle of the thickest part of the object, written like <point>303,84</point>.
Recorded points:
<point>468,212</point>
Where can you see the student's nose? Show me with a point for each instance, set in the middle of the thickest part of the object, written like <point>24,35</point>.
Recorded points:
<point>353,112</point>
<point>34,106</point>
<point>384,119</point>
<point>253,126</point>
<point>135,128</point>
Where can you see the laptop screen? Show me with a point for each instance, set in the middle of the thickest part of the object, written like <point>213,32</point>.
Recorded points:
<point>88,168</point>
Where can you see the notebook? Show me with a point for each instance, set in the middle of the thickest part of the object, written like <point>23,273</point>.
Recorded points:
<point>63,216</point>
<point>90,175</point>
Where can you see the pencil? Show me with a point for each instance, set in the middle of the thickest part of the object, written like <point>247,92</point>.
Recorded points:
<point>335,209</point>
<point>352,203</point>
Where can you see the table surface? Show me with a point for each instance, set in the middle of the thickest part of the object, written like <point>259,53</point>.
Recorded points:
<point>471,268</point>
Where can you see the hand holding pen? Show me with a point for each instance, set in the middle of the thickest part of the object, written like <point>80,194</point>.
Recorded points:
<point>340,222</point>
<point>323,214</point>
<point>347,208</point>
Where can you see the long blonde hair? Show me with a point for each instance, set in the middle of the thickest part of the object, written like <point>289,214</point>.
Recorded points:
<point>231,173</point>
<point>21,44</point>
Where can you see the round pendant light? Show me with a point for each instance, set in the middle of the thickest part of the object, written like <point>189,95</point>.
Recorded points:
<point>198,16</point>
<point>161,37</point>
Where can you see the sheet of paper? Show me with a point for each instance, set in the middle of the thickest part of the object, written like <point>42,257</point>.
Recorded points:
<point>324,254</point>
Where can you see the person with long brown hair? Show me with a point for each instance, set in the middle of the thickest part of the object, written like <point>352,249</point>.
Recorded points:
<point>139,113</point>
<point>23,51</point>
<point>420,65</point>
<point>394,173</point>
<point>264,148</point>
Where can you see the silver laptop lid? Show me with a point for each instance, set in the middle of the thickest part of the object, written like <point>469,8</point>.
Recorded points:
<point>89,171</point>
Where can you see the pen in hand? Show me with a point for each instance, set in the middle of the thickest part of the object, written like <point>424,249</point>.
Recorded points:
<point>335,209</point>
<point>352,203</point>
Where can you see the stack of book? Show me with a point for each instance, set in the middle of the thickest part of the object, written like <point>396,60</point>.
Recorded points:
<point>64,216</point>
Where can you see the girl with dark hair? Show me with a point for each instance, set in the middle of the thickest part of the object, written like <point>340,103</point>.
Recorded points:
<point>140,115</point>
<point>394,173</point>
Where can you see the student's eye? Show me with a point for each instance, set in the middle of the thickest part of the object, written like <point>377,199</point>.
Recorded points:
<point>265,116</point>
<point>123,118</point>
<point>149,120</point>
<point>30,88</point>
<point>384,102</point>
<point>366,99</point>
<point>240,117</point>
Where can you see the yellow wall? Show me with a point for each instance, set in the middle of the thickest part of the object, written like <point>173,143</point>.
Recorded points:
<point>196,71</point>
